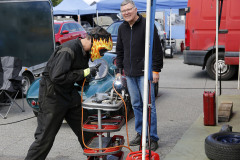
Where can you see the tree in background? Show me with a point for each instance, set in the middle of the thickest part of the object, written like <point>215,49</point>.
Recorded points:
<point>56,2</point>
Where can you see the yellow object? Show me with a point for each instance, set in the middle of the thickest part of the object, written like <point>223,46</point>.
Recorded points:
<point>100,44</point>
<point>86,72</point>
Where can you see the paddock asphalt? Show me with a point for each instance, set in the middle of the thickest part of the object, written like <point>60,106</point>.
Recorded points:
<point>179,112</point>
<point>17,135</point>
<point>191,145</point>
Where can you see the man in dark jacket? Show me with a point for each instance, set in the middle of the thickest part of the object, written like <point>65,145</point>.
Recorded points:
<point>130,57</point>
<point>58,99</point>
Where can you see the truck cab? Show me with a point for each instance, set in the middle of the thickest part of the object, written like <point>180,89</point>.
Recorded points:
<point>200,33</point>
<point>27,33</point>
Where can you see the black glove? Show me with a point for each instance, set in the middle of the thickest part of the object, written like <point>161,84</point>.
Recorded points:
<point>94,70</point>
<point>88,78</point>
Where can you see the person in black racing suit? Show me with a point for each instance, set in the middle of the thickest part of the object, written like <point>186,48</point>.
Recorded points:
<point>58,98</point>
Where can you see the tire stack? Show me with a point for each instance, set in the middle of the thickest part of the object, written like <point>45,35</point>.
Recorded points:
<point>223,146</point>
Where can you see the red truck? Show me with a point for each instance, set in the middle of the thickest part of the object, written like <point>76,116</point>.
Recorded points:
<point>200,36</point>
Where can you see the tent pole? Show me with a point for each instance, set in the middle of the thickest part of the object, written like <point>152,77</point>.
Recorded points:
<point>170,34</point>
<point>97,16</point>
<point>146,67</point>
<point>79,20</point>
<point>216,69</point>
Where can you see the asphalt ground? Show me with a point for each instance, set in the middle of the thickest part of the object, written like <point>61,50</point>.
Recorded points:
<point>179,104</point>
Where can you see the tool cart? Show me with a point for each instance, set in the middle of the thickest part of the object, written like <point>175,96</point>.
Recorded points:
<point>104,147</point>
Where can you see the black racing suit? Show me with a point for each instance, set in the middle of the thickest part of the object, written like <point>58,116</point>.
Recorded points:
<point>58,98</point>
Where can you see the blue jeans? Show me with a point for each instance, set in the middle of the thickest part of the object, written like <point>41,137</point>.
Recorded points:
<point>135,89</point>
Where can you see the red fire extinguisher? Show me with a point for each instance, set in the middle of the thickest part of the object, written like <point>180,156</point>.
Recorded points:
<point>182,46</point>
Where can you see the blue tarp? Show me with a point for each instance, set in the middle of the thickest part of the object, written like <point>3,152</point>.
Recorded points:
<point>141,4</point>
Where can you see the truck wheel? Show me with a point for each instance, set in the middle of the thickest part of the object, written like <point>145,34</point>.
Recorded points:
<point>223,145</point>
<point>26,82</point>
<point>228,71</point>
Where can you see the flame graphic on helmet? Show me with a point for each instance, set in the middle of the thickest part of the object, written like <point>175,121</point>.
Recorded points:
<point>99,44</point>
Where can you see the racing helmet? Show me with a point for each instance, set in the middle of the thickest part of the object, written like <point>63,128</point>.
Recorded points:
<point>101,42</point>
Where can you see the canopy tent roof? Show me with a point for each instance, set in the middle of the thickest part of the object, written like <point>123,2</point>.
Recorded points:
<point>173,4</point>
<point>70,7</point>
<point>77,7</point>
<point>141,4</point>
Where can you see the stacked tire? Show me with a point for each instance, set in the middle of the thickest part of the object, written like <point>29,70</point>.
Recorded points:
<point>223,146</point>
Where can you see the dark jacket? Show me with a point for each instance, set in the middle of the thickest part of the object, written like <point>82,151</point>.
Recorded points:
<point>64,68</point>
<point>130,48</point>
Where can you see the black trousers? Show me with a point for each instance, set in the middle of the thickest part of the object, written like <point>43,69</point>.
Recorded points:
<point>50,119</point>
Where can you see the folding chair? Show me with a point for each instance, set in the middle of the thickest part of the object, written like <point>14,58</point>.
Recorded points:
<point>10,83</point>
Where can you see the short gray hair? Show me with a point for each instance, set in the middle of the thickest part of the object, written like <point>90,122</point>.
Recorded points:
<point>125,2</point>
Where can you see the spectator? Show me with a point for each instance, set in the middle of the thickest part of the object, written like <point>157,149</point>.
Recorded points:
<point>130,51</point>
